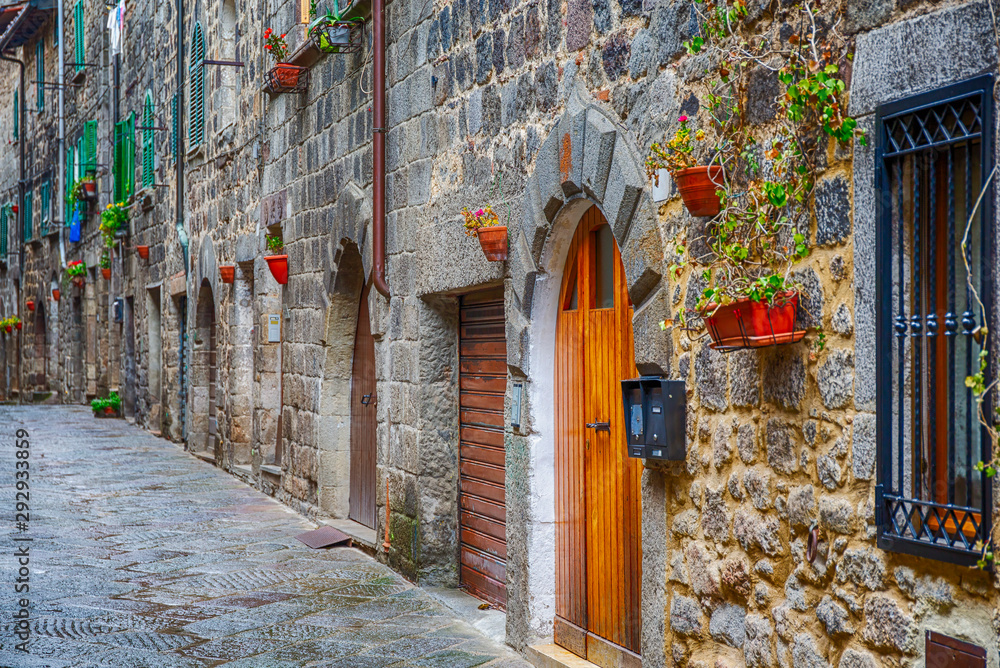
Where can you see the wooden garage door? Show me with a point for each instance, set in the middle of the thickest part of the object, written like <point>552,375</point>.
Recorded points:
<point>482,383</point>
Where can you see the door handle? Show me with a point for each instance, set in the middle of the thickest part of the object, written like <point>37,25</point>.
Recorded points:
<point>366,399</point>
<point>599,426</point>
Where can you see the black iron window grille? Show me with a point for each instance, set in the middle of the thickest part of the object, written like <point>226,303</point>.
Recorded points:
<point>933,153</point>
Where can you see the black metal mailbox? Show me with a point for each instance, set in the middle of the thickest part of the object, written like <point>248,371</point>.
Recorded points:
<point>655,420</point>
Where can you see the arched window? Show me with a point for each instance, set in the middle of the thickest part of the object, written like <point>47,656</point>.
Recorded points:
<point>196,96</point>
<point>148,163</point>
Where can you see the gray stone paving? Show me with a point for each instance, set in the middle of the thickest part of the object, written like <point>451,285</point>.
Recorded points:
<point>146,556</point>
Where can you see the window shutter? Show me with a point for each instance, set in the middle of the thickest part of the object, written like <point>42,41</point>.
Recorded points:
<point>79,159</point>
<point>174,128</point>
<point>46,203</point>
<point>70,181</point>
<point>17,115</point>
<point>196,98</point>
<point>89,147</point>
<point>27,216</point>
<point>78,51</point>
<point>3,229</point>
<point>117,168</point>
<point>130,155</point>
<point>40,70</point>
<point>148,164</point>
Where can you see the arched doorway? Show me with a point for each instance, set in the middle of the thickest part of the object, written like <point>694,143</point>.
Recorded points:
<point>203,431</point>
<point>41,381</point>
<point>598,504</point>
<point>363,424</point>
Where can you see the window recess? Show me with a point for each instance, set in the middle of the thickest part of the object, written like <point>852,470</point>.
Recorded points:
<point>933,152</point>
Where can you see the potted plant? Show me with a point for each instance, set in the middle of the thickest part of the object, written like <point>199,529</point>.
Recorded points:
<point>16,321</point>
<point>56,293</point>
<point>228,272</point>
<point>109,405</point>
<point>114,219</point>
<point>278,264</point>
<point>485,224</point>
<point>698,184</point>
<point>332,32</point>
<point>30,304</point>
<point>283,77</point>
<point>76,271</point>
<point>143,252</point>
<point>106,265</point>
<point>88,186</point>
<point>98,406</point>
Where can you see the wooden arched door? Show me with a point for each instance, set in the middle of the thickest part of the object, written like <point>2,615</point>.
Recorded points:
<point>363,425</point>
<point>598,512</point>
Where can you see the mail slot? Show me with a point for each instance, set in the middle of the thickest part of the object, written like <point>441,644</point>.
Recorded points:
<point>655,420</point>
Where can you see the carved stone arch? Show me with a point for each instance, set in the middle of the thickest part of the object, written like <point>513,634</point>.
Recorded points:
<point>208,266</point>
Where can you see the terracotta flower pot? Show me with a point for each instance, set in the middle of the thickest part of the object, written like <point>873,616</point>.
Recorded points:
<point>228,272</point>
<point>19,325</point>
<point>106,273</point>
<point>56,293</point>
<point>90,190</point>
<point>78,281</point>
<point>287,75</point>
<point>143,252</point>
<point>749,324</point>
<point>493,241</point>
<point>14,208</point>
<point>278,264</point>
<point>8,329</point>
<point>698,186</point>
<point>108,410</point>
<point>30,304</point>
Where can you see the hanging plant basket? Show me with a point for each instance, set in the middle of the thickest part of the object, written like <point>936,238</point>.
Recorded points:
<point>30,304</point>
<point>278,264</point>
<point>751,324</point>
<point>56,293</point>
<point>228,272</point>
<point>493,241</point>
<point>89,190</point>
<point>339,36</point>
<point>106,273</point>
<point>143,252</point>
<point>286,78</point>
<point>698,186</point>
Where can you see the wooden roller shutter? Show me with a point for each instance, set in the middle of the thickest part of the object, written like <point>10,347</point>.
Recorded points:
<point>482,507</point>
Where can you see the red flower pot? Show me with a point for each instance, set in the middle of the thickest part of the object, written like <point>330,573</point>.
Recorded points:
<point>228,272</point>
<point>278,264</point>
<point>108,410</point>
<point>493,241</point>
<point>106,273</point>
<point>90,189</point>
<point>143,252</point>
<point>286,75</point>
<point>30,304</point>
<point>56,292</point>
<point>698,186</point>
<point>749,324</point>
<point>8,329</point>
<point>14,208</point>
<point>19,325</point>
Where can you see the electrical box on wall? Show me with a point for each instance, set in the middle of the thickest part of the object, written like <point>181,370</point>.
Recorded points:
<point>655,418</point>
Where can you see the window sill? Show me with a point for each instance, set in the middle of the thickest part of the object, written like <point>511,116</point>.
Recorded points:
<point>79,75</point>
<point>271,469</point>
<point>197,152</point>
<point>306,55</point>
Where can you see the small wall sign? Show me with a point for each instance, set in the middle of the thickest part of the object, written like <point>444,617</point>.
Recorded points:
<point>274,328</point>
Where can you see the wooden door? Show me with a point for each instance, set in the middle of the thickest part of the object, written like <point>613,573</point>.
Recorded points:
<point>363,426</point>
<point>482,384</point>
<point>598,532</point>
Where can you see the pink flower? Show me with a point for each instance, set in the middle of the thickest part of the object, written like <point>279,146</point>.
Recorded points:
<point>683,119</point>
<point>480,213</point>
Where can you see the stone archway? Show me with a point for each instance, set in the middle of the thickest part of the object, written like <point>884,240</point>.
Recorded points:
<point>203,424</point>
<point>587,159</point>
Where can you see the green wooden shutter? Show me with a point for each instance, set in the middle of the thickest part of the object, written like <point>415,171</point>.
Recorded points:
<point>78,51</point>
<point>70,181</point>
<point>174,132</point>
<point>196,98</point>
<point>89,154</point>
<point>117,171</point>
<point>130,154</point>
<point>4,212</point>
<point>27,216</point>
<point>40,69</point>
<point>46,197</point>
<point>148,164</point>
<point>17,115</point>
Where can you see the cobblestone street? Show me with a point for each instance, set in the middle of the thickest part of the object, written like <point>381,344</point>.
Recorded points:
<point>143,555</point>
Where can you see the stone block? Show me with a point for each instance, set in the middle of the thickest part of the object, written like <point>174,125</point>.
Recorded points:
<point>810,299</point>
<point>711,376</point>
<point>599,149</point>
<point>885,68</point>
<point>572,130</point>
<point>547,176</point>
<point>579,21</point>
<point>624,190</point>
<point>863,446</point>
<point>744,379</point>
<point>784,376</point>
<point>836,379</point>
<point>715,516</point>
<point>653,347</point>
<point>864,271</point>
<point>887,626</point>
<point>804,654</point>
<point>758,650</point>
<point>833,211</point>
<point>780,446</point>
<point>836,514</point>
<point>642,255</point>
<point>672,23</point>
<point>685,616</point>
<point>728,625</point>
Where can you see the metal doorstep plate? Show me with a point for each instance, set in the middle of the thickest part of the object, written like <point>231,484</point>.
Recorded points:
<point>324,537</point>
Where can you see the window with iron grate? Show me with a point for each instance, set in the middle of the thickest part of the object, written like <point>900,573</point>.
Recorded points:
<point>932,156</point>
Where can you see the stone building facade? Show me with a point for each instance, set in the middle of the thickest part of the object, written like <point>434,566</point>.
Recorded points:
<point>562,98</point>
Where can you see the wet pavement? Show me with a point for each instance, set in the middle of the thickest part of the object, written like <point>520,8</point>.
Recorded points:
<point>142,555</point>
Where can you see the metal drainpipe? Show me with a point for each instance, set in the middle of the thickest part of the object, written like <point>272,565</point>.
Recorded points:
<point>181,231</point>
<point>61,180</point>
<point>378,148</point>
<point>22,169</point>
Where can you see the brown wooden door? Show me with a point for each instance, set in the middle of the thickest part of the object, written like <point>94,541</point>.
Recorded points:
<point>363,426</point>
<point>598,532</point>
<point>482,384</point>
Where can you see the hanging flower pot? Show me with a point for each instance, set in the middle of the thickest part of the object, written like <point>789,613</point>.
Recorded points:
<point>89,189</point>
<point>143,252</point>
<point>745,323</point>
<point>108,410</point>
<point>56,293</point>
<point>106,273</point>
<point>698,186</point>
<point>14,208</point>
<point>278,264</point>
<point>493,241</point>
<point>8,328</point>
<point>19,324</point>
<point>228,272</point>
<point>286,78</point>
<point>30,304</point>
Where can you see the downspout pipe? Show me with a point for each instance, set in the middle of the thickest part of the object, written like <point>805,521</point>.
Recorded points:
<point>21,183</point>
<point>61,179</point>
<point>378,148</point>
<point>182,235</point>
